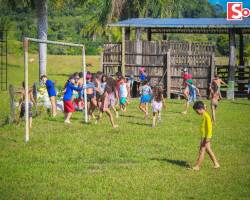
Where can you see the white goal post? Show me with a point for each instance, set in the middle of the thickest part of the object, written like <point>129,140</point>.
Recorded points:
<point>26,70</point>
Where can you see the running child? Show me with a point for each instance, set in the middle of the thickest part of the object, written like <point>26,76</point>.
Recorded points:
<point>50,86</point>
<point>91,95</point>
<point>31,102</point>
<point>145,92</point>
<point>215,97</point>
<point>123,94</point>
<point>108,99</point>
<point>186,77</point>
<point>192,95</point>
<point>206,135</point>
<point>157,103</point>
<point>218,82</point>
<point>67,98</point>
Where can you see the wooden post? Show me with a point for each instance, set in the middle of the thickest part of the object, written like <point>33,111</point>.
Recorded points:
<point>123,51</point>
<point>149,34</point>
<point>127,33</point>
<point>212,67</point>
<point>168,75</point>
<point>164,36</point>
<point>241,64</point>
<point>12,116</point>
<point>101,63</point>
<point>232,61</point>
<point>138,46</point>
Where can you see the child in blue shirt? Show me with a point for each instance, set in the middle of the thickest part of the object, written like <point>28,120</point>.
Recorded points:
<point>67,98</point>
<point>146,94</point>
<point>50,86</point>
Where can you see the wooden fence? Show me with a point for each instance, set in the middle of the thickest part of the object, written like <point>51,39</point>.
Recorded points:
<point>163,61</point>
<point>242,76</point>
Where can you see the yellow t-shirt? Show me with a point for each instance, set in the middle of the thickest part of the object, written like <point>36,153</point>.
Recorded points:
<point>206,126</point>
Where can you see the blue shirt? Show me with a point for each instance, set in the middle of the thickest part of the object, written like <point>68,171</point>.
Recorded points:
<point>50,88</point>
<point>142,77</point>
<point>69,91</point>
<point>146,90</point>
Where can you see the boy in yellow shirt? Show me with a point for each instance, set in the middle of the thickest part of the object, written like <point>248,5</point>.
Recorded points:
<point>206,135</point>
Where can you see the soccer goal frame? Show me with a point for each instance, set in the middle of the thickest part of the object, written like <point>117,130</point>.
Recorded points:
<point>26,41</point>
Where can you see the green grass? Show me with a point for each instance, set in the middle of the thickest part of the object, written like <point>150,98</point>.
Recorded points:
<point>58,68</point>
<point>83,161</point>
<point>87,161</point>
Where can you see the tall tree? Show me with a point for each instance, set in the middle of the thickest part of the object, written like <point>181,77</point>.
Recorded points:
<point>42,14</point>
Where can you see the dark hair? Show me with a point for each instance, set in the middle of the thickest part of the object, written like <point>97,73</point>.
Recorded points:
<point>43,76</point>
<point>198,105</point>
<point>158,92</point>
<point>118,74</point>
<point>80,74</point>
<point>104,76</point>
<point>144,82</point>
<point>76,74</point>
<point>110,85</point>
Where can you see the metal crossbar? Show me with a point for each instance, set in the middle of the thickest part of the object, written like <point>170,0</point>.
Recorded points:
<point>25,45</point>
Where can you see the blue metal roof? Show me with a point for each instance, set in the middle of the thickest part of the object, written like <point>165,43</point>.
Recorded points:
<point>183,23</point>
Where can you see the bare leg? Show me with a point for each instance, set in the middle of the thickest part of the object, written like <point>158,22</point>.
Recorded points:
<point>53,106</point>
<point>111,118</point>
<point>211,155</point>
<point>186,107</point>
<point>201,155</point>
<point>68,116</point>
<point>142,107</point>
<point>30,122</point>
<point>116,112</point>
<point>213,113</point>
<point>146,109</point>
<point>154,119</point>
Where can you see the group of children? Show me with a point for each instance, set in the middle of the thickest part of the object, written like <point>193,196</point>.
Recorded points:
<point>104,93</point>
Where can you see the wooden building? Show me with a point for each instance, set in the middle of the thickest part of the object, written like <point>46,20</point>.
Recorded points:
<point>163,60</point>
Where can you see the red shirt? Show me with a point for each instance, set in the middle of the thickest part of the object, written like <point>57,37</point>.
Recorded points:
<point>186,77</point>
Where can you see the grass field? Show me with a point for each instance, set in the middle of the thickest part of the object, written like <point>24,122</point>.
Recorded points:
<point>135,161</point>
<point>83,161</point>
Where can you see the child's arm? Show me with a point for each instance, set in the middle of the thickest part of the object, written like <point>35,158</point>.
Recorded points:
<point>198,91</point>
<point>222,82</point>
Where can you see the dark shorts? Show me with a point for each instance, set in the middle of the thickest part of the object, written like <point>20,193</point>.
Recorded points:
<point>90,97</point>
<point>22,113</point>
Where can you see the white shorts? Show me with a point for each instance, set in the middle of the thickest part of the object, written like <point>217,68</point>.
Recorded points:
<point>156,106</point>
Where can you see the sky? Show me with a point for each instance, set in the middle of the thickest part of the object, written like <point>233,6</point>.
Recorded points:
<point>246,3</point>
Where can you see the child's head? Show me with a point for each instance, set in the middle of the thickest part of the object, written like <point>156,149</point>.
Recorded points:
<point>80,74</point>
<point>43,78</point>
<point>72,79</point>
<point>216,76</point>
<point>141,69</point>
<point>88,77</point>
<point>145,82</point>
<point>104,78</point>
<point>158,92</point>
<point>199,107</point>
<point>118,75</point>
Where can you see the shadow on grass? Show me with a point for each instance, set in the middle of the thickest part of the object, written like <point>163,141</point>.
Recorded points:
<point>176,112</point>
<point>245,104</point>
<point>140,123</point>
<point>127,115</point>
<point>180,163</point>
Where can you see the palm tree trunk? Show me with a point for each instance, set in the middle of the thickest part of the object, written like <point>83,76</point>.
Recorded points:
<point>42,14</point>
